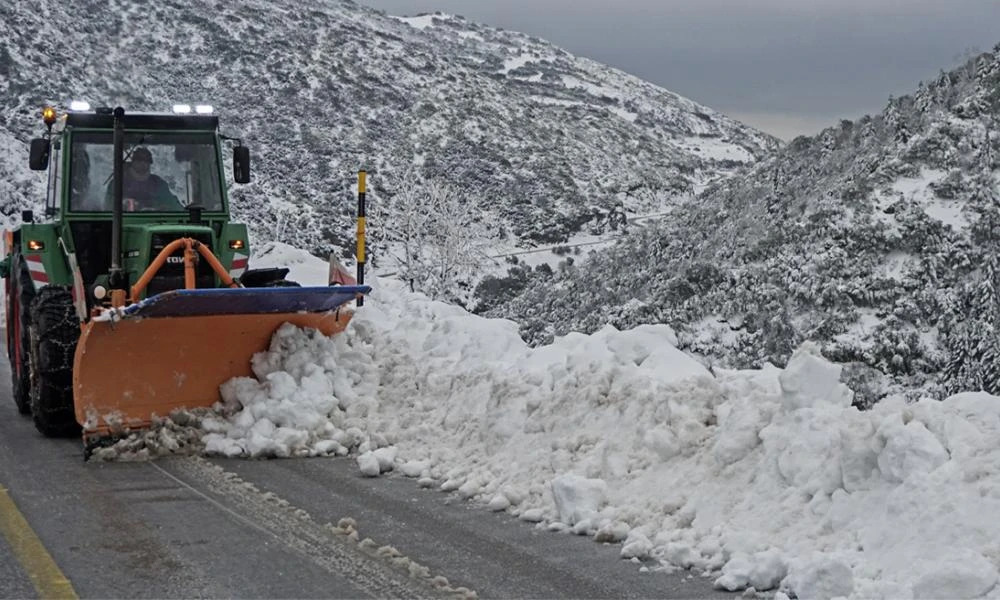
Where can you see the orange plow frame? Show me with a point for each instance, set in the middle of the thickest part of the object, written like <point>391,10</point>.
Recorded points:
<point>190,257</point>
<point>127,371</point>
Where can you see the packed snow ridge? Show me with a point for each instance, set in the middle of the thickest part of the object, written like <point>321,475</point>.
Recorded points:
<point>766,478</point>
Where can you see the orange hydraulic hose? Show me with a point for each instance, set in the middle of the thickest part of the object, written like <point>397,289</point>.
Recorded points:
<point>190,281</point>
<point>154,266</point>
<point>190,245</point>
<point>215,264</point>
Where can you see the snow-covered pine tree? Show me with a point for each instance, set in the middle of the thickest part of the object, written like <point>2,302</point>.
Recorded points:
<point>975,349</point>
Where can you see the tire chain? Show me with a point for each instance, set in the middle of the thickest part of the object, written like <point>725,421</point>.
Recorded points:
<point>24,288</point>
<point>55,330</point>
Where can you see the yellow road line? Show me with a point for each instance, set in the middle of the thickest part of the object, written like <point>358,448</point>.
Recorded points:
<point>49,581</point>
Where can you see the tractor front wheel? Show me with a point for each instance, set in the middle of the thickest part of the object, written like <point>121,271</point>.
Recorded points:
<point>55,330</point>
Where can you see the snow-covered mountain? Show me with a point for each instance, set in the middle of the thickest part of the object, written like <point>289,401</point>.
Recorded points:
<point>321,90</point>
<point>879,238</point>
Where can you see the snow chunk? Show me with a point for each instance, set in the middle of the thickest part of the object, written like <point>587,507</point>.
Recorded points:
<point>821,576</point>
<point>810,380</point>
<point>369,465</point>
<point>636,545</point>
<point>762,571</point>
<point>577,498</point>
<point>498,503</point>
<point>908,449</point>
<point>386,458</point>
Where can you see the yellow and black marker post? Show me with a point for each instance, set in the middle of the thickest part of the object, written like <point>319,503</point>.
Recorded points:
<point>362,175</point>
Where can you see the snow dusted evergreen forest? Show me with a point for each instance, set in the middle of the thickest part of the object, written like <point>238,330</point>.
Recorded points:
<point>878,238</point>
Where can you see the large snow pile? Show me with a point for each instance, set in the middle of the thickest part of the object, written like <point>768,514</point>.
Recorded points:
<point>766,478</point>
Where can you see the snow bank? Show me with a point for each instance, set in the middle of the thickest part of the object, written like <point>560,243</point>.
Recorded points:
<point>766,478</point>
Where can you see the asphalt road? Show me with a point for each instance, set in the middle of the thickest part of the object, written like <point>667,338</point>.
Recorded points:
<point>193,527</point>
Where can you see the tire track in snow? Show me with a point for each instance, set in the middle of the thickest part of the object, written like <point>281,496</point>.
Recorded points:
<point>381,571</point>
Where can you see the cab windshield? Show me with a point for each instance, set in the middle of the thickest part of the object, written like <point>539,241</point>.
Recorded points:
<point>163,172</point>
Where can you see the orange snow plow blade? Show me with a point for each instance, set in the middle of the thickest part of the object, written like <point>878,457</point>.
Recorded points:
<point>175,350</point>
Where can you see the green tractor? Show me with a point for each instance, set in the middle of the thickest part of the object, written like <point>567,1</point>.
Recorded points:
<point>132,296</point>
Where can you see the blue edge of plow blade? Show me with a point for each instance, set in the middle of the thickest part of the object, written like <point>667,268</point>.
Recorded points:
<point>245,301</point>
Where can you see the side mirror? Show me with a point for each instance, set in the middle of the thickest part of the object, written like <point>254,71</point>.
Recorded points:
<point>27,216</point>
<point>39,158</point>
<point>241,164</point>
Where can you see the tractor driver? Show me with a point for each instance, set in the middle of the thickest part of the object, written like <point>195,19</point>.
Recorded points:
<point>142,190</point>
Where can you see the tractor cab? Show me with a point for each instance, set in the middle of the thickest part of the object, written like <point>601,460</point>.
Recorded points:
<point>165,171</point>
<point>173,186</point>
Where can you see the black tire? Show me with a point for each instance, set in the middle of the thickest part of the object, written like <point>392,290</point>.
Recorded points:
<point>55,330</point>
<point>22,292</point>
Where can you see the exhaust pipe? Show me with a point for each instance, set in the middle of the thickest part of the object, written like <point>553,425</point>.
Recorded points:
<point>116,278</point>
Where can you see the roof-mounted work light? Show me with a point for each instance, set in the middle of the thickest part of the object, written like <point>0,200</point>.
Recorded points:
<point>182,109</point>
<point>203,109</point>
<point>79,105</point>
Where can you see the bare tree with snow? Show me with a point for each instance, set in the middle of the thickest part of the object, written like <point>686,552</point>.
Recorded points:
<point>437,237</point>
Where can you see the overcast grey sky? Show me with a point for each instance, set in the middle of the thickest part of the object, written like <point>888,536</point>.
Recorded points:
<point>787,67</point>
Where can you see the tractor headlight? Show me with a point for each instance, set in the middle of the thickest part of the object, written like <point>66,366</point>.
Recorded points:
<point>36,245</point>
<point>236,244</point>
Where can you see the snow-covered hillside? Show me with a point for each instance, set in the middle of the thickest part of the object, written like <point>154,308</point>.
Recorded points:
<point>757,478</point>
<point>320,90</point>
<point>879,239</point>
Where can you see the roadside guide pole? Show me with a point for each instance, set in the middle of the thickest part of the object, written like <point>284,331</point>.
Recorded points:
<point>361,233</point>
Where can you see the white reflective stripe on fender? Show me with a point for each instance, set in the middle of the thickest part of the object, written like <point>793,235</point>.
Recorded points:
<point>239,265</point>
<point>37,270</point>
<point>78,291</point>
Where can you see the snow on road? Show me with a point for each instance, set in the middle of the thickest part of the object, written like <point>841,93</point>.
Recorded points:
<point>767,479</point>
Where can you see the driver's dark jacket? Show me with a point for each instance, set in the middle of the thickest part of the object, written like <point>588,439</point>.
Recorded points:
<point>151,194</point>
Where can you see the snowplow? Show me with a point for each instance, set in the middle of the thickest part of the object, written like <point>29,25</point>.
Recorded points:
<point>132,296</point>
